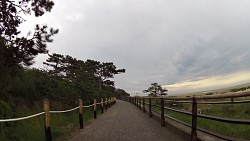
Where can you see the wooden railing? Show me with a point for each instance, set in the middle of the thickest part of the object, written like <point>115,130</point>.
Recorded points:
<point>107,102</point>
<point>161,109</point>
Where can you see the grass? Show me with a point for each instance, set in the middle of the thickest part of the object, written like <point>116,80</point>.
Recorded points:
<point>33,129</point>
<point>236,111</point>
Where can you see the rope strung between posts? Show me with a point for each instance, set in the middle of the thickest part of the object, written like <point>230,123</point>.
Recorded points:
<point>38,114</point>
<point>64,111</point>
<point>22,118</point>
<point>88,106</point>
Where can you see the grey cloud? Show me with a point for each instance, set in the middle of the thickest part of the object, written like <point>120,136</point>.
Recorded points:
<point>161,41</point>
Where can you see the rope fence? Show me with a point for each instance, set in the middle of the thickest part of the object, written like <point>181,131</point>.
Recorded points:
<point>65,110</point>
<point>22,118</point>
<point>108,103</point>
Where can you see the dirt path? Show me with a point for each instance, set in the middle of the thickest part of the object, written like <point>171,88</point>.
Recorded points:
<point>125,122</point>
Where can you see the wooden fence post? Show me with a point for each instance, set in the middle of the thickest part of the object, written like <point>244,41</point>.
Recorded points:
<point>102,105</point>
<point>47,120</point>
<point>95,116</point>
<point>143,103</point>
<point>150,108</point>
<point>232,100</point>
<point>194,120</point>
<point>140,103</point>
<point>106,103</point>
<point>109,102</point>
<point>162,113</point>
<point>80,114</point>
<point>137,102</point>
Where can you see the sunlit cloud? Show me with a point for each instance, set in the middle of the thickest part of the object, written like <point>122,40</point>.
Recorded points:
<point>209,83</point>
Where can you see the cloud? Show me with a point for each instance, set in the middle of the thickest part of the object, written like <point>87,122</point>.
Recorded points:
<point>210,83</point>
<point>164,41</point>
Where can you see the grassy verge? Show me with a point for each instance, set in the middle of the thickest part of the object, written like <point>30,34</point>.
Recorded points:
<point>33,129</point>
<point>236,111</point>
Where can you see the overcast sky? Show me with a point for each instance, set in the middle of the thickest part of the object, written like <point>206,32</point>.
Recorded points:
<point>185,45</point>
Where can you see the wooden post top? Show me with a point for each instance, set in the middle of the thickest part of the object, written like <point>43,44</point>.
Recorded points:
<point>47,114</point>
<point>80,106</point>
<point>94,104</point>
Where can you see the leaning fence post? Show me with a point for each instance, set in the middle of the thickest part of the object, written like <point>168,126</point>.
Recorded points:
<point>149,108</point>
<point>95,109</point>
<point>162,113</point>
<point>102,105</point>
<point>106,103</point>
<point>80,114</point>
<point>143,103</point>
<point>47,120</point>
<point>194,120</point>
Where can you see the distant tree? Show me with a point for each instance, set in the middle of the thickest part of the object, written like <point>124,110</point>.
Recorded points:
<point>103,71</point>
<point>155,90</point>
<point>121,92</point>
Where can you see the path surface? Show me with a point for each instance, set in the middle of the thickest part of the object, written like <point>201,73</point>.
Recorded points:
<point>125,122</point>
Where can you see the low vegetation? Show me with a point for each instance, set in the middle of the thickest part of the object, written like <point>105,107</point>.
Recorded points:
<point>63,81</point>
<point>236,111</point>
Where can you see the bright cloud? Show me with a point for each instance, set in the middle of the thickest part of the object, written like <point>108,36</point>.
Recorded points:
<point>210,83</point>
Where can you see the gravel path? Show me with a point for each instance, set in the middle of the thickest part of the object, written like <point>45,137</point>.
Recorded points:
<point>125,122</point>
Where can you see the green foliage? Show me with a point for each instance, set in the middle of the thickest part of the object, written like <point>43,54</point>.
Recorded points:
<point>21,88</point>
<point>121,92</point>
<point>16,50</point>
<point>24,90</point>
<point>5,112</point>
<point>155,90</point>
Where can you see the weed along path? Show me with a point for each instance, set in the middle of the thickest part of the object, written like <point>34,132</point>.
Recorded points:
<point>125,122</point>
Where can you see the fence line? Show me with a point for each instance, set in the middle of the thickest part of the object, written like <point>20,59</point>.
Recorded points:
<point>140,103</point>
<point>38,114</point>
<point>108,103</point>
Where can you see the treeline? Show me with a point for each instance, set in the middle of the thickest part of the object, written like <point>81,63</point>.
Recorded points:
<point>65,81</point>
